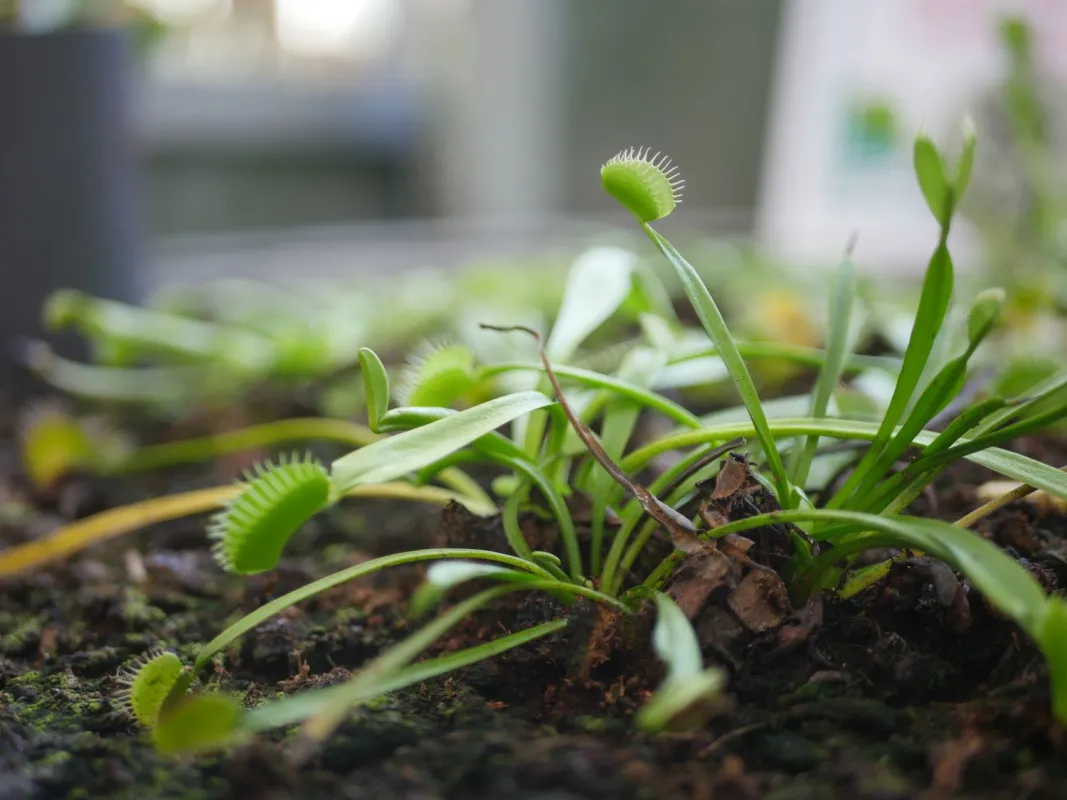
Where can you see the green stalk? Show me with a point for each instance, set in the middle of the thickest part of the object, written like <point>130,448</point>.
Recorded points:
<point>272,434</point>
<point>841,302</point>
<point>274,607</point>
<point>298,707</point>
<point>712,319</point>
<point>933,306</point>
<point>596,380</point>
<point>1012,465</point>
<point>382,668</point>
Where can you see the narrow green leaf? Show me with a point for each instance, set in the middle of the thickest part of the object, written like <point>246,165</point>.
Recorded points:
<point>842,299</point>
<point>992,571</point>
<point>444,575</point>
<point>1012,465</point>
<point>1035,396</point>
<point>705,371</point>
<point>279,604</point>
<point>675,641</point>
<point>966,162</point>
<point>984,313</point>
<point>298,707</point>
<point>708,312</point>
<point>938,393</point>
<point>933,179</point>
<point>933,305</point>
<point>150,332</point>
<point>369,681</point>
<point>556,502</point>
<point>1052,637</point>
<point>600,280</point>
<point>408,417</point>
<point>405,452</point>
<point>682,699</point>
<point>596,380</point>
<point>617,426</point>
<point>658,332</point>
<point>984,441</point>
<point>897,493</point>
<point>598,284</point>
<point>376,382</point>
<point>380,672</point>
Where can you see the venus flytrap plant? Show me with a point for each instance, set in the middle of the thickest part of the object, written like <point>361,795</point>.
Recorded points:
<point>556,452</point>
<point>650,190</point>
<point>250,533</point>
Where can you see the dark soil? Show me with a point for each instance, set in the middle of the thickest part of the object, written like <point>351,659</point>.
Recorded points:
<point>897,694</point>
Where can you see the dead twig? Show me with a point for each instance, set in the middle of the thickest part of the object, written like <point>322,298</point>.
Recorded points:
<point>683,532</point>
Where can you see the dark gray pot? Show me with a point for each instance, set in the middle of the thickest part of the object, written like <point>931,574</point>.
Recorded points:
<point>68,175</point>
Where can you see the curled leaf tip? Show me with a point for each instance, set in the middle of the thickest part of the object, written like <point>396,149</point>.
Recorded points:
<point>646,183</point>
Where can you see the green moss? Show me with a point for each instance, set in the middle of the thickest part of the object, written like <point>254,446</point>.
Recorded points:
<point>138,612</point>
<point>23,632</point>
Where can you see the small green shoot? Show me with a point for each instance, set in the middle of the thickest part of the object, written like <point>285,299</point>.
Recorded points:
<point>689,691</point>
<point>376,381</point>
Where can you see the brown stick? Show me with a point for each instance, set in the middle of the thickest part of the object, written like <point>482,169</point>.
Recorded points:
<point>683,532</point>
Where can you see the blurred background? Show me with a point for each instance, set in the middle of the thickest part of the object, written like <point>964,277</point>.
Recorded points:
<point>150,142</point>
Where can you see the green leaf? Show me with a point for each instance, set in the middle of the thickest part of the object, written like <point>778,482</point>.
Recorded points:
<point>675,641</point>
<point>381,671</point>
<point>600,280</point>
<point>279,604</point>
<point>617,426</point>
<point>596,380</point>
<point>992,571</point>
<point>984,313</point>
<point>682,700</point>
<point>933,180</point>
<point>408,417</point>
<point>1035,396</point>
<point>405,452</point>
<point>704,371</point>
<point>376,381</point>
<point>966,162</point>
<point>54,444</point>
<point>708,312</point>
<point>1012,465</point>
<point>444,575</point>
<point>897,493</point>
<point>658,332</point>
<point>933,305</point>
<point>842,299</point>
<point>938,393</point>
<point>1052,637</point>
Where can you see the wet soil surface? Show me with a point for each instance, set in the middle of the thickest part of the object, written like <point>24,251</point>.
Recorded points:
<point>890,695</point>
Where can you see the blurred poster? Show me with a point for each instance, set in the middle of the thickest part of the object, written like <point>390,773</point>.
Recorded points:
<point>854,83</point>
